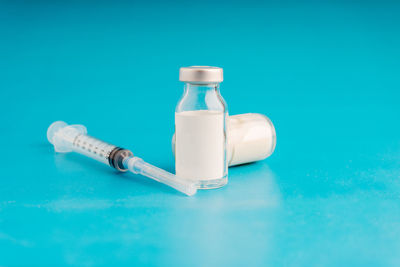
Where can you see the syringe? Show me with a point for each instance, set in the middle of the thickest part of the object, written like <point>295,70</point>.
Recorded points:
<point>68,138</point>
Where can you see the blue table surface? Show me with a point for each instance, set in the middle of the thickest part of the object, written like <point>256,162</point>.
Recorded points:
<point>326,73</point>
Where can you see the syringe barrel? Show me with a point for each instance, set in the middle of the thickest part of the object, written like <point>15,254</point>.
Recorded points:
<point>93,148</point>
<point>68,138</point>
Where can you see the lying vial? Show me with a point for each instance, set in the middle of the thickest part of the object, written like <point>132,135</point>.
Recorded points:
<point>200,126</point>
<point>251,137</point>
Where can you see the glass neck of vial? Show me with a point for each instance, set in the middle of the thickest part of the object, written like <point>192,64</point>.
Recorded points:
<point>201,97</point>
<point>195,88</point>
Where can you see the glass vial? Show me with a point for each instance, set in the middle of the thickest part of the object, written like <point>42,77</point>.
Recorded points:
<point>251,137</point>
<point>200,127</point>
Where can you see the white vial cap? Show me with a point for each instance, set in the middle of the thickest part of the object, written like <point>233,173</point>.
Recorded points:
<point>201,74</point>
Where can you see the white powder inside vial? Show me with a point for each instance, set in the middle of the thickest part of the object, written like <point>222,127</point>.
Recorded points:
<point>200,144</point>
<point>251,138</point>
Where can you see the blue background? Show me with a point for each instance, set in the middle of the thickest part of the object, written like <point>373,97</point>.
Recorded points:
<point>326,73</point>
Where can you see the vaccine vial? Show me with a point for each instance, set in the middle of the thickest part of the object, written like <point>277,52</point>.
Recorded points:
<point>200,127</point>
<point>251,137</point>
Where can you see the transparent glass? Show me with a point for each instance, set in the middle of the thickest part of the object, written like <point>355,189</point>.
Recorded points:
<point>201,138</point>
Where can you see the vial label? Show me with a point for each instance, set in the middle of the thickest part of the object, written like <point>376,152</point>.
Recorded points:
<point>200,144</point>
